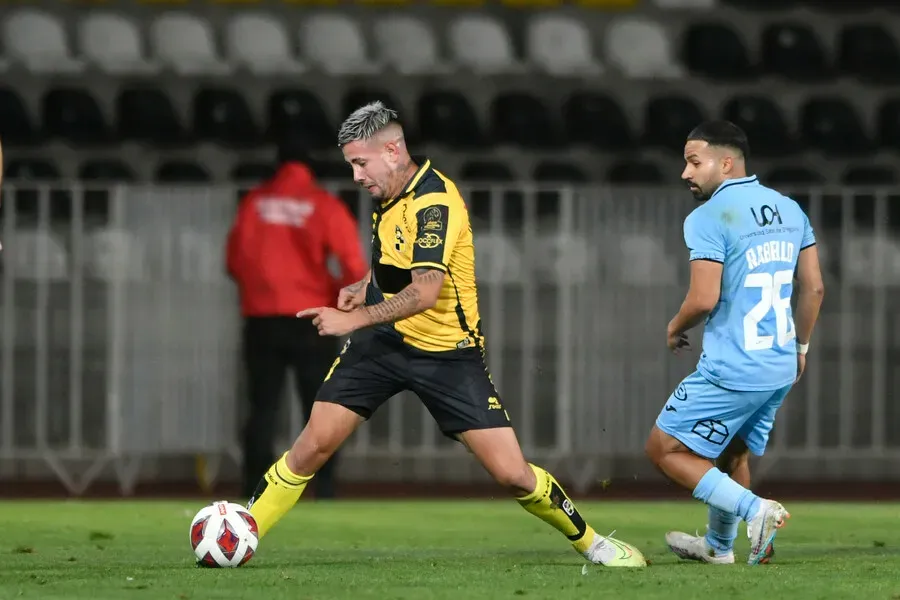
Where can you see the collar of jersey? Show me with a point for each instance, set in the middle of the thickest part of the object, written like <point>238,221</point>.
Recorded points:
<point>749,180</point>
<point>424,164</point>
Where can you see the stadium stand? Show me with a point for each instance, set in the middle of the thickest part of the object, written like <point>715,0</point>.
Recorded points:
<point>553,92</point>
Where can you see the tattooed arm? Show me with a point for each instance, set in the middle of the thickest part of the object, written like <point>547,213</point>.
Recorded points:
<point>418,296</point>
<point>354,295</point>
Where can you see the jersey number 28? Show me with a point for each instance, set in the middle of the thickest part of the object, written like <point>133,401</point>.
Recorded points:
<point>769,285</point>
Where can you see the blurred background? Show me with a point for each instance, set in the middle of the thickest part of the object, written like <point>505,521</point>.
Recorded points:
<point>131,129</point>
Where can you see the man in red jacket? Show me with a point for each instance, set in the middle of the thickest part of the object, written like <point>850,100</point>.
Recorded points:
<point>286,230</point>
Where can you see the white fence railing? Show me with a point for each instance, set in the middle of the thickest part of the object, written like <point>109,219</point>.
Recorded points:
<point>119,346</point>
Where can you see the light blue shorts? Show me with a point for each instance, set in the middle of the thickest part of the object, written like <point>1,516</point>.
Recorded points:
<point>705,417</point>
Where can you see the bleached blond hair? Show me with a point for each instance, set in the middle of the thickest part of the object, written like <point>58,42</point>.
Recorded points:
<point>365,122</point>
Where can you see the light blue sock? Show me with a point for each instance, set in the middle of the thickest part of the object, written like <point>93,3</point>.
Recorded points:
<point>723,530</point>
<point>720,491</point>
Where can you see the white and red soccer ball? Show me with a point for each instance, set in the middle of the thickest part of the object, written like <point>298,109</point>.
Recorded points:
<point>224,534</point>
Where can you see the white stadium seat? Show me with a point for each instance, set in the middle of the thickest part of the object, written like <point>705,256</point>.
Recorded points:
<point>185,44</point>
<point>641,49</point>
<point>335,44</point>
<point>114,255</point>
<point>37,40</point>
<point>482,45</point>
<point>37,256</point>
<point>407,45</point>
<point>260,43</point>
<point>561,46</point>
<point>113,43</point>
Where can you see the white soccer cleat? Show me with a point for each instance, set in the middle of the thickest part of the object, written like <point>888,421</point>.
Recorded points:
<point>761,530</point>
<point>610,552</point>
<point>695,547</point>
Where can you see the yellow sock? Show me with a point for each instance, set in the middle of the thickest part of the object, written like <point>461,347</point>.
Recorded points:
<point>549,503</point>
<point>277,493</point>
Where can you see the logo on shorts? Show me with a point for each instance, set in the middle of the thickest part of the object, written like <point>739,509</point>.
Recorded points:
<point>494,403</point>
<point>711,430</point>
<point>680,393</point>
<point>429,241</point>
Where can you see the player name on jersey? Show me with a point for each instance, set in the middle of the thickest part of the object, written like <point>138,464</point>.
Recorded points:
<point>774,251</point>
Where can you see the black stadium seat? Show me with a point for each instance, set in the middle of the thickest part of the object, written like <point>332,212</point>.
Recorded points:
<point>298,112</point>
<point>634,172</point>
<point>26,176</point>
<point>869,175</point>
<point>793,175</point>
<point>360,96</point>
<point>72,115</point>
<point>520,119</point>
<point>716,51</point>
<point>668,120</point>
<point>252,172</point>
<point>764,5</point>
<point>181,172</point>
<point>870,53</point>
<point>559,172</point>
<point>832,126</point>
<point>763,122</point>
<point>16,126</point>
<point>596,120</point>
<point>221,116</point>
<point>447,118</point>
<point>98,175</point>
<point>145,114</point>
<point>887,124</point>
<point>793,51</point>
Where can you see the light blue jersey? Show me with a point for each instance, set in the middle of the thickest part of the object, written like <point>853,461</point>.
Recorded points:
<point>749,343</point>
<point>749,360</point>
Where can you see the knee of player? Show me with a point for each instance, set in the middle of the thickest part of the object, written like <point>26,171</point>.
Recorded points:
<point>518,480</point>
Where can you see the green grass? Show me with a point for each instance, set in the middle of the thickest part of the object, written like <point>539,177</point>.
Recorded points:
<point>126,550</point>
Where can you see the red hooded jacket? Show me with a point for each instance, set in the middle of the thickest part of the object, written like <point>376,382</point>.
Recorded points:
<point>284,233</point>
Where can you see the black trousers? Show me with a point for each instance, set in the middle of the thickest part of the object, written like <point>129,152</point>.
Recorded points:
<point>272,345</point>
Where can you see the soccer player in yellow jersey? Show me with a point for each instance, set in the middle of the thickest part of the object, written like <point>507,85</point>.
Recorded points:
<point>415,326</point>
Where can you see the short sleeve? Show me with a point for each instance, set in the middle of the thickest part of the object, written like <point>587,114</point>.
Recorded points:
<point>704,238</point>
<point>809,236</point>
<point>438,223</point>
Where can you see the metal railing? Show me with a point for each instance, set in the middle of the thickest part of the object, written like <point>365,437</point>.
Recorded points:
<point>120,358</point>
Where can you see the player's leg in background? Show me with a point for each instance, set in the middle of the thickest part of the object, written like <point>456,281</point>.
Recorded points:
<point>697,423</point>
<point>265,367</point>
<point>311,359</point>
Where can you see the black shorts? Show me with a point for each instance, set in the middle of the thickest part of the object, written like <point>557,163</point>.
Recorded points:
<point>454,386</point>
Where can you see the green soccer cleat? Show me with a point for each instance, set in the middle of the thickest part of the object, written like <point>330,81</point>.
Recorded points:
<point>610,552</point>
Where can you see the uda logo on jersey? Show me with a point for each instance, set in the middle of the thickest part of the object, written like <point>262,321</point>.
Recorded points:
<point>767,215</point>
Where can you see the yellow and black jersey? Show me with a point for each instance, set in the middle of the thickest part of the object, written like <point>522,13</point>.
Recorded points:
<point>428,226</point>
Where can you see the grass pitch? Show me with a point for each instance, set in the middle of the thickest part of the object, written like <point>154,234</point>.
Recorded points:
<point>469,550</point>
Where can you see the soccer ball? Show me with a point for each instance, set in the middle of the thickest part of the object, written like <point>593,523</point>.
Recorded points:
<point>224,534</point>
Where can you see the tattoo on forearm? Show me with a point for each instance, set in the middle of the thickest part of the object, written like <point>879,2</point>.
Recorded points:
<point>357,287</point>
<point>407,302</point>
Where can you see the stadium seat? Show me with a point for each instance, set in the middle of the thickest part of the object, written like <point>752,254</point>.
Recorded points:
<point>596,120</point>
<point>252,172</point>
<point>336,44</point>
<point>686,4</point>
<point>832,126</point>
<point>98,175</point>
<point>716,51</point>
<point>447,118</point>
<point>298,112</point>
<point>362,95</point>
<point>16,127</point>
<point>480,44</point>
<point>114,255</point>
<point>522,120</point>
<point>763,122</point>
<point>561,46</point>
<point>887,124</point>
<point>408,46</point>
<point>73,116</point>
<point>481,176</point>
<point>222,116</point>
<point>260,43</point>
<point>112,43</point>
<point>668,120</point>
<point>181,172</point>
<point>559,172</point>
<point>641,49</point>
<point>792,175</point>
<point>870,53</point>
<point>764,5</point>
<point>634,172</point>
<point>186,44</point>
<point>25,176</point>
<point>146,115</point>
<point>865,175</point>
<point>332,170</point>
<point>793,51</point>
<point>846,6</point>
<point>39,255</point>
<point>37,39</point>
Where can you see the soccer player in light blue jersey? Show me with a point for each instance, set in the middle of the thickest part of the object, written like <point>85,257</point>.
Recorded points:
<point>746,243</point>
